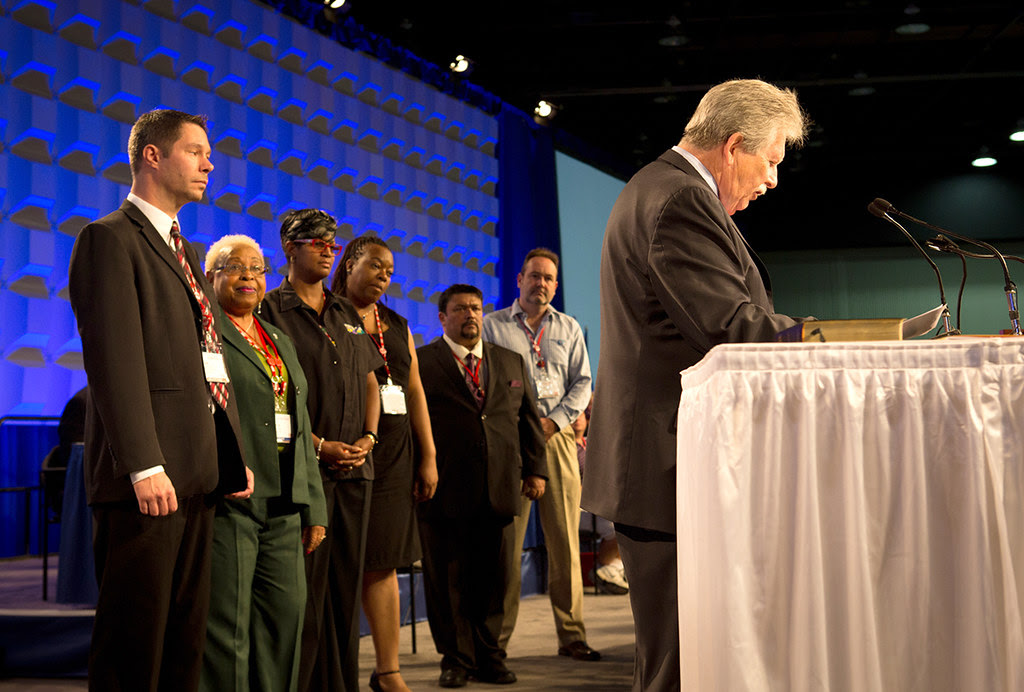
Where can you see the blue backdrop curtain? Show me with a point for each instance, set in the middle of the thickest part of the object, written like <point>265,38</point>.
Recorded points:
<point>527,195</point>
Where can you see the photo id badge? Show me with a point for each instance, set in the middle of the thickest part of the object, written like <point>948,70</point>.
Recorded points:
<point>392,399</point>
<point>283,425</point>
<point>546,387</point>
<point>213,366</point>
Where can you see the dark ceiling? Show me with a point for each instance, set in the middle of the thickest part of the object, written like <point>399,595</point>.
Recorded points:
<point>896,115</point>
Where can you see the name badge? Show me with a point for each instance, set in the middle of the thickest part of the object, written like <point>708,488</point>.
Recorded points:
<point>214,368</point>
<point>283,425</point>
<point>546,387</point>
<point>392,399</point>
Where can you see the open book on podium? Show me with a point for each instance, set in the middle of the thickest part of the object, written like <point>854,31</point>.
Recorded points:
<point>880,329</point>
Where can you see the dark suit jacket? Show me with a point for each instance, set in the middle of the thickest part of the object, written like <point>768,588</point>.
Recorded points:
<point>259,435</point>
<point>148,397</point>
<point>677,278</point>
<point>482,456</point>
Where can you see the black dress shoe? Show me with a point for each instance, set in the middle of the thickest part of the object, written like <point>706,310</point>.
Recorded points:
<point>454,677</point>
<point>496,675</point>
<point>579,651</point>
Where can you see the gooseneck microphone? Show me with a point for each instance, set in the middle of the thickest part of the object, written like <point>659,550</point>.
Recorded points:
<point>879,209</point>
<point>941,243</point>
<point>1010,288</point>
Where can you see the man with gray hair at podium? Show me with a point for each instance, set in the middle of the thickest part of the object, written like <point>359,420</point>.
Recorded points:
<point>677,278</point>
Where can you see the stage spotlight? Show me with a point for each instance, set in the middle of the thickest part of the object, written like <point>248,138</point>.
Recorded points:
<point>334,10</point>
<point>544,112</point>
<point>461,65</point>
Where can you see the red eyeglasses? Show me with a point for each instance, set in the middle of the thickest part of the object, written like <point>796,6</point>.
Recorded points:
<point>319,245</point>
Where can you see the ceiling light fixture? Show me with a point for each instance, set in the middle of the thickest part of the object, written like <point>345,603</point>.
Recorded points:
<point>461,65</point>
<point>544,112</point>
<point>334,10</point>
<point>673,40</point>
<point>913,29</point>
<point>1017,136</point>
<point>983,162</point>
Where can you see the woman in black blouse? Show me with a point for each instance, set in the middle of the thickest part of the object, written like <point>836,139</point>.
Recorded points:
<point>363,275</point>
<point>344,407</point>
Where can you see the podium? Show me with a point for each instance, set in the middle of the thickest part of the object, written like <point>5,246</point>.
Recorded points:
<point>851,517</point>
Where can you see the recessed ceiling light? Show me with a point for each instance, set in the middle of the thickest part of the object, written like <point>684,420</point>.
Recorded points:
<point>913,29</point>
<point>983,162</point>
<point>1017,136</point>
<point>673,41</point>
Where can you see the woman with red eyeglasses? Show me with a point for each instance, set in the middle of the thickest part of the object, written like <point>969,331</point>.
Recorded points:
<point>344,408</point>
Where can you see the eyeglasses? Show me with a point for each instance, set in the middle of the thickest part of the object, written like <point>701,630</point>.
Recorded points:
<point>238,269</point>
<point>319,245</point>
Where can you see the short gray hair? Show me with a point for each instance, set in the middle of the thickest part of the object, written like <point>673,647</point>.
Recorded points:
<point>755,109</point>
<point>220,250</point>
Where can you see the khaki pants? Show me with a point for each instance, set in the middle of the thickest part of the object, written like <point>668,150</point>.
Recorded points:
<point>559,510</point>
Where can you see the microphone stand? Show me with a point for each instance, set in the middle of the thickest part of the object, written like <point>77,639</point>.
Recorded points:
<point>947,328</point>
<point>1009,288</point>
<point>941,243</point>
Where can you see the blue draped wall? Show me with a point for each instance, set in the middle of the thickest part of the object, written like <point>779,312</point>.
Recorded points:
<point>528,194</point>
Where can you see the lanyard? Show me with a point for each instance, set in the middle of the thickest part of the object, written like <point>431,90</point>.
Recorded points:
<point>380,346</point>
<point>266,347</point>
<point>474,373</point>
<point>328,335</point>
<point>534,343</point>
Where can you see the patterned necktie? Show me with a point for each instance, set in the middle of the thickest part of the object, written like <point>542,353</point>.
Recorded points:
<point>473,383</point>
<point>219,390</point>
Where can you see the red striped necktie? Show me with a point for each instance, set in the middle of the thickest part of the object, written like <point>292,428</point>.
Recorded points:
<point>219,390</point>
<point>471,371</point>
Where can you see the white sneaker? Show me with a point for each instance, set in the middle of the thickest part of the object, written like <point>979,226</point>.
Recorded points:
<point>622,572</point>
<point>611,579</point>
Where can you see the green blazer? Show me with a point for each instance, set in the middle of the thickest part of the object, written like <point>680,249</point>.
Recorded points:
<point>255,396</point>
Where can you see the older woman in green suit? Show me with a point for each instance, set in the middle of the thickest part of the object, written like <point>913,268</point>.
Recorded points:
<point>258,593</point>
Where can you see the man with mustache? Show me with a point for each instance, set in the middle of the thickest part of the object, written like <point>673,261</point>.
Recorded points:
<point>677,278</point>
<point>490,449</point>
<point>552,345</point>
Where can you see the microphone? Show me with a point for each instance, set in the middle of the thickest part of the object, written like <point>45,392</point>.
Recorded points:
<point>941,243</point>
<point>1009,288</point>
<point>880,208</point>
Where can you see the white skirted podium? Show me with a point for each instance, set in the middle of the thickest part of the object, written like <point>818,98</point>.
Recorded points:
<point>851,517</point>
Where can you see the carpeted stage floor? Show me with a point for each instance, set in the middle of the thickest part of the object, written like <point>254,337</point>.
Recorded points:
<point>532,650</point>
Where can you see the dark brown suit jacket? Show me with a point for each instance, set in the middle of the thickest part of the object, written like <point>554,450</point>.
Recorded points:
<point>482,456</point>
<point>677,278</point>
<point>148,397</point>
<point>148,404</point>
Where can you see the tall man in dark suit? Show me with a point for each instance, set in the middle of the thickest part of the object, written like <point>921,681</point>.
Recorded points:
<point>490,448</point>
<point>677,278</point>
<point>162,431</point>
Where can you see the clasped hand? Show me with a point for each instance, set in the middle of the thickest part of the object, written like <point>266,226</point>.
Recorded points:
<point>341,456</point>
